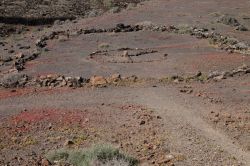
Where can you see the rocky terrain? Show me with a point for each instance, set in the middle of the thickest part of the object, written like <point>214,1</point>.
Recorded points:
<point>59,8</point>
<point>164,81</point>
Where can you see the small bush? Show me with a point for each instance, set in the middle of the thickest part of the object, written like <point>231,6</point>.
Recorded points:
<point>108,3</point>
<point>103,45</point>
<point>99,155</point>
<point>114,162</point>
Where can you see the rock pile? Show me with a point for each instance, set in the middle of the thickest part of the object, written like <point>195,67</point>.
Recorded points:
<point>219,75</point>
<point>126,55</point>
<point>54,80</point>
<point>229,44</point>
<point>22,80</point>
<point>231,21</point>
<point>98,80</point>
<point>212,76</point>
<point>21,59</point>
<point>244,69</point>
<point>228,20</point>
<point>62,81</point>
<point>18,60</point>
<point>148,25</point>
<point>118,28</point>
<point>59,81</point>
<point>42,41</point>
<point>14,80</point>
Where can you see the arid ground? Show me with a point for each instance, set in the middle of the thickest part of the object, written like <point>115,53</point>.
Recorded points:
<point>164,81</point>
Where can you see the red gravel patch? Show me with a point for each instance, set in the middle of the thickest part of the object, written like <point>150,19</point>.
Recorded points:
<point>8,93</point>
<point>132,127</point>
<point>50,115</point>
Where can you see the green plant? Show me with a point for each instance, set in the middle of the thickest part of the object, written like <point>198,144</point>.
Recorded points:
<point>97,154</point>
<point>108,3</point>
<point>104,46</point>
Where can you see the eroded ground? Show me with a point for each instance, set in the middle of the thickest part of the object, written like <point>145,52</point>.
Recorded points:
<point>165,81</point>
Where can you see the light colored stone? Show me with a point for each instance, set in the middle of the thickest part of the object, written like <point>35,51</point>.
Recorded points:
<point>45,162</point>
<point>98,80</point>
<point>68,143</point>
<point>19,55</point>
<point>63,38</point>
<point>114,78</point>
<point>125,54</point>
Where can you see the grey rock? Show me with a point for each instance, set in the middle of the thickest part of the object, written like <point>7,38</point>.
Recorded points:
<point>228,20</point>
<point>232,40</point>
<point>131,5</point>
<point>241,46</point>
<point>14,80</point>
<point>68,143</point>
<point>115,9</point>
<point>241,28</point>
<point>5,59</point>
<point>213,74</point>
<point>94,13</point>
<point>40,43</point>
<point>58,22</point>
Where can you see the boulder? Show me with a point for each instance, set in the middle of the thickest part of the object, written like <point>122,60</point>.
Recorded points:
<point>98,80</point>
<point>14,80</point>
<point>114,78</point>
<point>228,20</point>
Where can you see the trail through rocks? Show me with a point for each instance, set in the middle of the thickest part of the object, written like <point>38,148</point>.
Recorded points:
<point>185,116</point>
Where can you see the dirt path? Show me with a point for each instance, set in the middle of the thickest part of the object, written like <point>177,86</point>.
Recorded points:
<point>180,114</point>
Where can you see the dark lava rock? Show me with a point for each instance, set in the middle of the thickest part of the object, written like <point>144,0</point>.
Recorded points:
<point>118,28</point>
<point>5,59</point>
<point>5,30</point>
<point>228,20</point>
<point>11,51</point>
<point>32,56</point>
<point>41,43</point>
<point>126,28</point>
<point>14,80</point>
<point>24,47</point>
<point>241,28</point>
